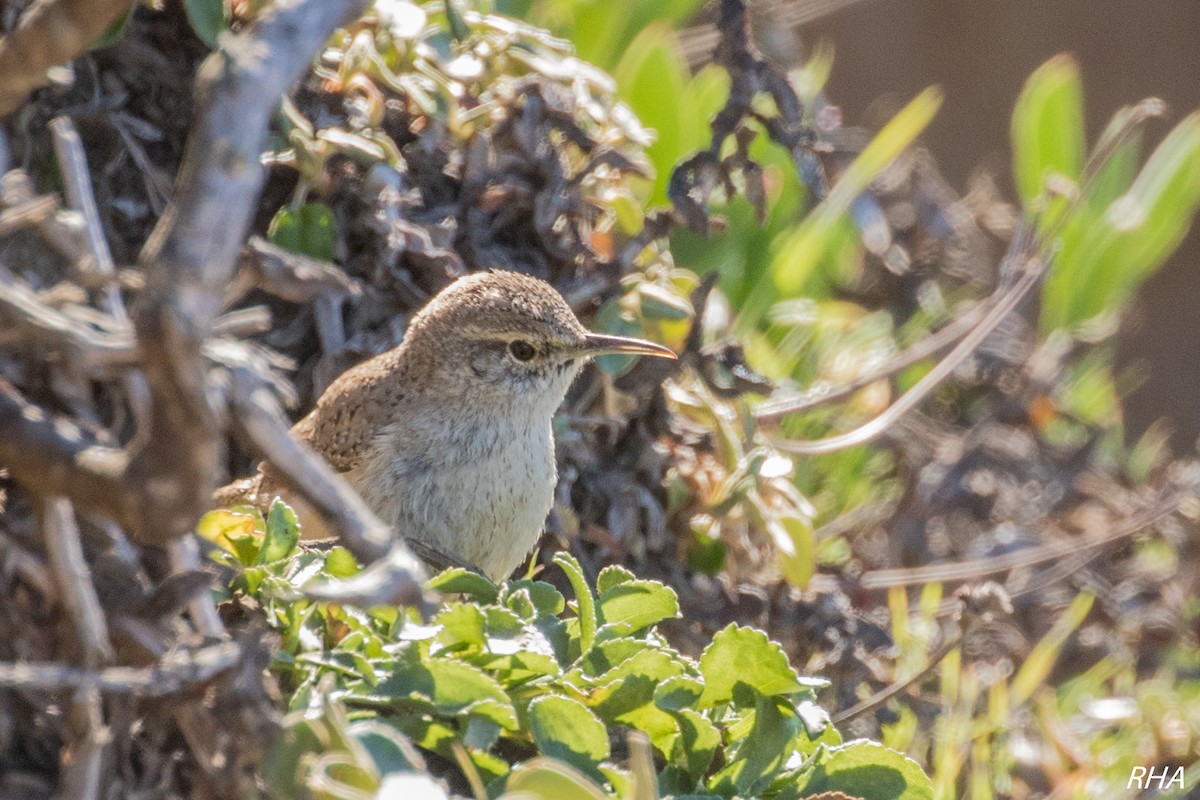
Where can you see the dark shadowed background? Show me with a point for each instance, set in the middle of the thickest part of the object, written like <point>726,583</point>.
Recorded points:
<point>981,53</point>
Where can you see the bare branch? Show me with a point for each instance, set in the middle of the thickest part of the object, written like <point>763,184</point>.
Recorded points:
<point>72,163</point>
<point>61,229</point>
<point>95,352</point>
<point>54,456</point>
<point>74,579</point>
<point>190,256</point>
<point>176,672</point>
<point>51,32</point>
<point>290,276</point>
<point>82,759</point>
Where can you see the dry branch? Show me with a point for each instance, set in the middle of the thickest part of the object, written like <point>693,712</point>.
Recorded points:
<point>191,254</point>
<point>52,455</point>
<point>290,276</point>
<point>176,672</point>
<point>74,579</point>
<point>51,32</point>
<point>53,332</point>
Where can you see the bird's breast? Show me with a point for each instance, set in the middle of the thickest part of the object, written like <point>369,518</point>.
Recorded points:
<point>480,490</point>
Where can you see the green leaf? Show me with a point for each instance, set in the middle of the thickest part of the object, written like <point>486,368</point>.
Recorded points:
<point>660,303</point>
<point>451,686</point>
<point>795,546</point>
<point>1047,129</point>
<point>585,602</point>
<point>457,580</point>
<point>802,250</point>
<point>611,319</point>
<point>762,744</point>
<point>516,668</point>
<point>246,549</point>
<point>652,75</point>
<point>458,26</point>
<point>462,624</point>
<point>341,563</point>
<point>390,750</point>
<point>745,656</point>
<point>223,527</point>
<point>678,693</point>
<point>611,576</point>
<point>548,779</point>
<point>207,18</point>
<point>283,533</point>
<point>865,769</point>
<point>567,730</point>
<point>309,231</point>
<point>338,776</point>
<point>1113,253</point>
<point>626,695</point>
<point>635,604</point>
<point>546,600</point>
<point>697,744</point>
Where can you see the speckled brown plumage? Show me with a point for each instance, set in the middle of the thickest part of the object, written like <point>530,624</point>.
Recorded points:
<point>447,436</point>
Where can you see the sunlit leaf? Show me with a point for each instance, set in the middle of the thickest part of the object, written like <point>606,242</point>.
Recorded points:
<point>567,730</point>
<point>745,656</point>
<point>283,533</point>
<point>221,526</point>
<point>1047,129</point>
<point>795,546</point>
<point>550,779</point>
<point>866,769</point>
<point>636,604</point>
<point>457,580</point>
<point>1132,237</point>
<point>802,249</point>
<point>584,600</point>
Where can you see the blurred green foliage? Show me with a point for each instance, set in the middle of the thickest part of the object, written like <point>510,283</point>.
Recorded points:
<point>1115,224</point>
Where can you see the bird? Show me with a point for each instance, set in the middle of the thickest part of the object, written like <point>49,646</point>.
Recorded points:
<point>447,437</point>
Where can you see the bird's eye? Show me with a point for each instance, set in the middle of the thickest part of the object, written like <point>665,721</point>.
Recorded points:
<point>521,350</point>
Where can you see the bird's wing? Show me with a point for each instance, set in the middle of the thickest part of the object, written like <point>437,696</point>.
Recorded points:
<point>243,491</point>
<point>351,411</point>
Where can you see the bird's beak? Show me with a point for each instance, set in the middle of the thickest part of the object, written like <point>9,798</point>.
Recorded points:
<point>598,344</point>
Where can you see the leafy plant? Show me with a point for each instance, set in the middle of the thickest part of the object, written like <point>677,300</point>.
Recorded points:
<point>1117,224</point>
<point>514,689</point>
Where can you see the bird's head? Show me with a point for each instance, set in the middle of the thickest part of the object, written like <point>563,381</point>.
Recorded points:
<point>509,337</point>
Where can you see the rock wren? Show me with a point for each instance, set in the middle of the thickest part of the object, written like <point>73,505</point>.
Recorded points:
<point>447,436</point>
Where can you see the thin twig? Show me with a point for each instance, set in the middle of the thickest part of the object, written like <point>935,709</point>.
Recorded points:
<point>61,229</point>
<point>880,579</point>
<point>82,758</point>
<point>868,432</point>
<point>72,162</point>
<point>61,535</point>
<point>31,212</point>
<point>931,345</point>
<point>185,557</point>
<point>893,689</point>
<point>191,254</point>
<point>54,456</point>
<point>290,276</point>
<point>96,352</point>
<point>177,672</point>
